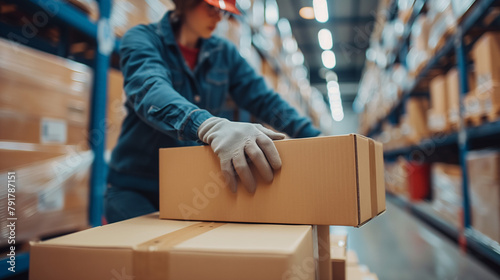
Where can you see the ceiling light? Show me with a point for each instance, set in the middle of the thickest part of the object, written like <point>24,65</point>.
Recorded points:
<point>307,12</point>
<point>298,58</point>
<point>325,39</point>
<point>320,10</point>
<point>284,27</point>
<point>328,58</point>
<point>272,14</point>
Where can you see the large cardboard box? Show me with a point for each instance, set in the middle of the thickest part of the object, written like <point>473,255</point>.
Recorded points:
<point>149,248</point>
<point>335,180</point>
<point>484,177</point>
<point>486,54</point>
<point>51,189</point>
<point>446,186</point>
<point>43,98</point>
<point>414,123</point>
<point>438,120</point>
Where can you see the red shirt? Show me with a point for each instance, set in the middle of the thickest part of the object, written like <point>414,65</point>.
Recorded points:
<point>190,55</point>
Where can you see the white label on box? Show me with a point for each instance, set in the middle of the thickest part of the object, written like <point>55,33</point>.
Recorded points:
<point>53,131</point>
<point>51,199</point>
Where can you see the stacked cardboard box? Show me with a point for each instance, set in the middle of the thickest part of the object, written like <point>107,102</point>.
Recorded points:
<point>150,248</point>
<point>486,54</point>
<point>43,98</point>
<point>446,180</point>
<point>324,181</point>
<point>51,189</point>
<point>484,177</point>
<point>438,114</point>
<point>414,123</point>
<point>44,109</point>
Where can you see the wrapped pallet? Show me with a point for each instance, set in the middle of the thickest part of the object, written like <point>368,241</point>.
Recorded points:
<point>49,187</point>
<point>484,179</point>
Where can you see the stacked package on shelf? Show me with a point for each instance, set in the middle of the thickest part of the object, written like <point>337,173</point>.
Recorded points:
<point>484,191</point>
<point>44,108</point>
<point>446,181</point>
<point>438,114</point>
<point>486,56</point>
<point>51,189</point>
<point>418,53</point>
<point>396,177</point>
<point>152,247</point>
<point>129,13</point>
<point>43,98</point>
<point>443,23</point>
<point>414,122</point>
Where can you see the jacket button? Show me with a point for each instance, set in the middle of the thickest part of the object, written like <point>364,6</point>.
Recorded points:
<point>197,98</point>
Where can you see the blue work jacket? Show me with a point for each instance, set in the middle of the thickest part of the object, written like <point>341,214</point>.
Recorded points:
<point>167,101</point>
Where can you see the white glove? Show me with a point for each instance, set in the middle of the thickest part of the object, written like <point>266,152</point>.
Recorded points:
<point>233,142</point>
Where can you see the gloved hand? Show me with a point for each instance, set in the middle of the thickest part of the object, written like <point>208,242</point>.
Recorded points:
<point>233,142</point>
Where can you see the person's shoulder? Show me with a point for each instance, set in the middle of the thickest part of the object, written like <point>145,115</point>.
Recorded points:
<point>141,33</point>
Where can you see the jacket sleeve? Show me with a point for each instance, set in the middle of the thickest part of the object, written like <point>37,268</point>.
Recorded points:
<point>250,91</point>
<point>148,86</point>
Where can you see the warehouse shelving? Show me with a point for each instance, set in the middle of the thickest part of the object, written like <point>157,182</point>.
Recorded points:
<point>66,14</point>
<point>461,140</point>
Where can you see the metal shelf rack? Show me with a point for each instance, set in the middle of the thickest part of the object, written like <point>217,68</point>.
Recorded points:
<point>488,132</point>
<point>100,33</point>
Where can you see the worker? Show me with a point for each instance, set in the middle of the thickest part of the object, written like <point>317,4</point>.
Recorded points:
<point>177,77</point>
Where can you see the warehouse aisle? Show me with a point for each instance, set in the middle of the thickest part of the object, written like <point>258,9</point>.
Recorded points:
<point>397,246</point>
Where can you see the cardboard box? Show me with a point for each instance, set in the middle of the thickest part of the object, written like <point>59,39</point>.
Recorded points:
<point>335,180</point>
<point>149,248</point>
<point>486,54</point>
<point>439,104</point>
<point>43,98</point>
<point>52,190</point>
<point>338,252</point>
<point>484,177</point>
<point>415,121</point>
<point>446,180</point>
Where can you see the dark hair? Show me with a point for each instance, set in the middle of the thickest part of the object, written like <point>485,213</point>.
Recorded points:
<point>182,6</point>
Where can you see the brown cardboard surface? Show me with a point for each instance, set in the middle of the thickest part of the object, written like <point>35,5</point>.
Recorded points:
<point>439,101</point>
<point>486,54</point>
<point>416,112</point>
<point>323,181</point>
<point>225,251</point>
<point>484,177</point>
<point>51,196</point>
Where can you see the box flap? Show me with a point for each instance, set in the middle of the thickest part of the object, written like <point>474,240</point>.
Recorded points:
<point>380,177</point>
<point>363,178</point>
